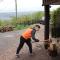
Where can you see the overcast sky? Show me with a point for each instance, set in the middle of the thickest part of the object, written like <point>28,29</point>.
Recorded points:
<point>23,5</point>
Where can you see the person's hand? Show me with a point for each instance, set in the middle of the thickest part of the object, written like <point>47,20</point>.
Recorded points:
<point>37,40</point>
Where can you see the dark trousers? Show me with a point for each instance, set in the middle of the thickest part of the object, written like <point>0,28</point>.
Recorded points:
<point>22,41</point>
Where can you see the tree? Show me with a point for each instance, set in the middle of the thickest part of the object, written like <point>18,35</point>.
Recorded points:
<point>56,18</point>
<point>56,23</point>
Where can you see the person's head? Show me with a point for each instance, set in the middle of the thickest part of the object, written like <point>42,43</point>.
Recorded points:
<point>37,27</point>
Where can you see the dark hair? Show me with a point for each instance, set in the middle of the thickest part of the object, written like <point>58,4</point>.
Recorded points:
<point>37,26</point>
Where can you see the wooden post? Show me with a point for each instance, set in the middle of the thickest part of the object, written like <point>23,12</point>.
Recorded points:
<point>47,18</point>
<point>16,8</point>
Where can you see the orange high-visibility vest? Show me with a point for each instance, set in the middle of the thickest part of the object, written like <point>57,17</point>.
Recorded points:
<point>27,34</point>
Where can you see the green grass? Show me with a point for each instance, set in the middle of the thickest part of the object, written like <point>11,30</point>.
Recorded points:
<point>20,27</point>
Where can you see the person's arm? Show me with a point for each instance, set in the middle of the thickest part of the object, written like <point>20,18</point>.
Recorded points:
<point>33,35</point>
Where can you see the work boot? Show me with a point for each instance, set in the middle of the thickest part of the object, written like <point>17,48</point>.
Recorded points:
<point>31,54</point>
<point>17,55</point>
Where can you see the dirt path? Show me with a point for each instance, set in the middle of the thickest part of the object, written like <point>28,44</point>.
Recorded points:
<point>39,52</point>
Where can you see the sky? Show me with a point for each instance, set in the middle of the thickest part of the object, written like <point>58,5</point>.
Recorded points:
<point>23,5</point>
